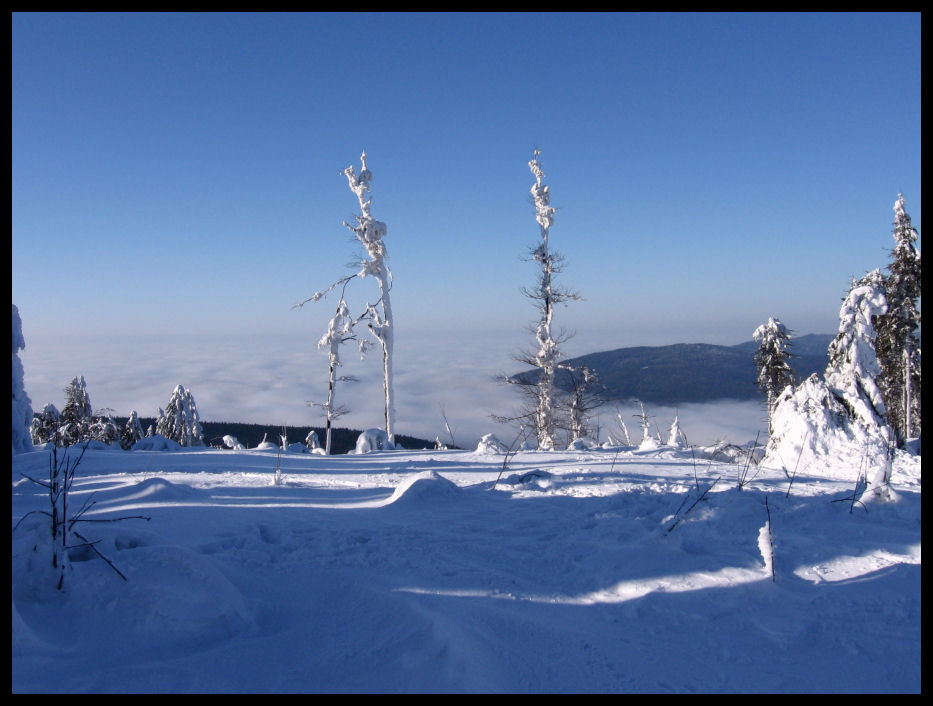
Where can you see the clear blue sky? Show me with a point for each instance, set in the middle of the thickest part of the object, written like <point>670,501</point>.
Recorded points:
<point>177,172</point>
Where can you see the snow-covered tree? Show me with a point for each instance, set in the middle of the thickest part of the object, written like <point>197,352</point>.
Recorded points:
<point>675,437</point>
<point>843,415</point>
<point>582,398</point>
<point>853,369</point>
<point>371,233</point>
<point>180,421</point>
<point>542,413</point>
<point>22,405</point>
<point>339,331</point>
<point>45,425</point>
<point>622,432</point>
<point>373,440</point>
<point>898,344</point>
<point>644,420</point>
<point>103,428</point>
<point>231,442</point>
<point>132,432</point>
<point>311,440</point>
<point>774,372</point>
<point>76,414</point>
<point>161,423</point>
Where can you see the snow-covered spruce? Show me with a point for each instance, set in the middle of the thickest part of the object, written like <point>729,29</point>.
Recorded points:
<point>22,405</point>
<point>675,436</point>
<point>898,342</point>
<point>180,421</point>
<point>842,416</point>
<point>45,425</point>
<point>132,432</point>
<point>76,414</point>
<point>853,367</point>
<point>104,430</point>
<point>771,360</point>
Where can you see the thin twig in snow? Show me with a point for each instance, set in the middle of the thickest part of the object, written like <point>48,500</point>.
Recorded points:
<point>799,454</point>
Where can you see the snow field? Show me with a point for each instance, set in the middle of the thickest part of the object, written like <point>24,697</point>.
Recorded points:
<point>597,571</point>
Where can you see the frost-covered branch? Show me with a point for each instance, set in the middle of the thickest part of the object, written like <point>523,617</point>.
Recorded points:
<point>340,330</point>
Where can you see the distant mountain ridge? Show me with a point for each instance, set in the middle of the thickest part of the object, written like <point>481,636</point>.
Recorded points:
<point>689,372</point>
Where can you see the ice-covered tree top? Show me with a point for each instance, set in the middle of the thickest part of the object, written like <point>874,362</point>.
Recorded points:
<point>542,195</point>
<point>359,185</point>
<point>77,400</point>
<point>773,330</point>
<point>19,343</point>
<point>904,231</point>
<point>368,230</point>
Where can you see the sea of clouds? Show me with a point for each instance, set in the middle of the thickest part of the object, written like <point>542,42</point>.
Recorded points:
<point>271,378</point>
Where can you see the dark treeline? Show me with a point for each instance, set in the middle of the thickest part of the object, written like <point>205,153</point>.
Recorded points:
<point>342,440</point>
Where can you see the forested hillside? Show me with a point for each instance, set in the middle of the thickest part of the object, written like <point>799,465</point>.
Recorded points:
<point>688,372</point>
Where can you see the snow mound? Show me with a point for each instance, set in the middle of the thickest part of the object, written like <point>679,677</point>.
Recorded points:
<point>725,452</point>
<point>766,547</point>
<point>298,448</point>
<point>156,442</point>
<point>373,440</point>
<point>231,442</point>
<point>533,480</point>
<point>160,490</point>
<point>490,444</point>
<point>426,487</point>
<point>649,444</point>
<point>582,445</point>
<point>188,599</point>
<point>94,445</point>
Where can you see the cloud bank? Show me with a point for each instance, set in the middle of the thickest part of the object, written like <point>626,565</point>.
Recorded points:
<point>271,378</point>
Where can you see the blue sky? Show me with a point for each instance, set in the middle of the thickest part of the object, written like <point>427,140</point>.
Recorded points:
<point>177,173</point>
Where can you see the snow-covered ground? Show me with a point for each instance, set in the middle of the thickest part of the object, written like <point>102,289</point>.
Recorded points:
<point>608,570</point>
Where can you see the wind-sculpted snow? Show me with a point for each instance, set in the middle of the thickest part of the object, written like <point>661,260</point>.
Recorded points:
<point>490,444</point>
<point>156,442</point>
<point>602,570</point>
<point>425,487</point>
